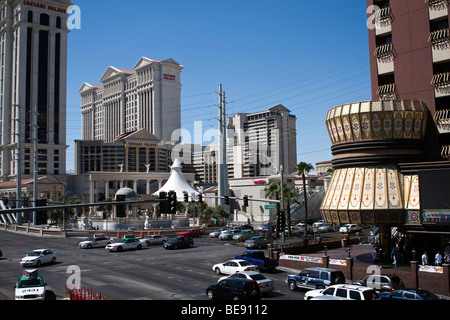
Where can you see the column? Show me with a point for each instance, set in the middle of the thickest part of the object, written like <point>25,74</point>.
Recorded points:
<point>106,189</point>
<point>147,186</point>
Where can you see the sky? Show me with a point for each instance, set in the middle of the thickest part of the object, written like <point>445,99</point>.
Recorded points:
<point>309,56</point>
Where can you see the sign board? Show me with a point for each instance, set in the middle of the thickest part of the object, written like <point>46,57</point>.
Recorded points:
<point>270,206</point>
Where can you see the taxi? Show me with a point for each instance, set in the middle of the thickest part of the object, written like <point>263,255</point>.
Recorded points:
<point>30,286</point>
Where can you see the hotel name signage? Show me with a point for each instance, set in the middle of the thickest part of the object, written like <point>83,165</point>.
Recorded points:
<point>44,6</point>
<point>170,77</point>
<point>140,144</point>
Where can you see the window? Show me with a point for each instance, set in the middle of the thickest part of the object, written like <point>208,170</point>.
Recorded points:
<point>341,293</point>
<point>329,291</point>
<point>410,296</point>
<point>355,295</point>
<point>314,274</point>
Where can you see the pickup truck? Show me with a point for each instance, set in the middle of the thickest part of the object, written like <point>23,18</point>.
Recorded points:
<point>258,258</point>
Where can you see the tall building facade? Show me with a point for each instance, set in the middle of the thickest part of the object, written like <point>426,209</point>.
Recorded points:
<point>259,143</point>
<point>33,72</point>
<point>410,59</point>
<point>147,97</point>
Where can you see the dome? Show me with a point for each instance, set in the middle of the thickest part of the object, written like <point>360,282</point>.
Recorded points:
<point>127,192</point>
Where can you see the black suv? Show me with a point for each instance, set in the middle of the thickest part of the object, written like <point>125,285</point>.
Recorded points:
<point>234,289</point>
<point>179,242</point>
<point>315,278</point>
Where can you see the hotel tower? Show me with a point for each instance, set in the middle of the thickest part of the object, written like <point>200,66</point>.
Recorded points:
<point>33,71</point>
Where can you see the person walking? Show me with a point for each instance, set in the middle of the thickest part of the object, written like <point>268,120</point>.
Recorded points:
<point>425,258</point>
<point>394,256</point>
<point>438,259</point>
<point>447,257</point>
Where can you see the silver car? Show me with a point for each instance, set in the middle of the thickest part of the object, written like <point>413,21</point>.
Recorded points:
<point>216,233</point>
<point>154,239</point>
<point>97,241</point>
<point>256,242</point>
<point>38,257</point>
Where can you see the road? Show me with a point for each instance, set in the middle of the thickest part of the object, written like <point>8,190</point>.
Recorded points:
<point>152,273</point>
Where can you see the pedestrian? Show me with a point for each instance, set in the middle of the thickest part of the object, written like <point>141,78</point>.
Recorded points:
<point>447,257</point>
<point>375,255</point>
<point>394,256</point>
<point>425,258</point>
<point>438,259</point>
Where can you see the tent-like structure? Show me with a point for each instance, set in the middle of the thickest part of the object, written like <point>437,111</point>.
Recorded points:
<point>177,182</point>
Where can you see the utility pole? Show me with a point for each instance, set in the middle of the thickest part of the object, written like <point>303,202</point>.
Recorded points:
<point>18,163</point>
<point>222,150</point>
<point>35,162</point>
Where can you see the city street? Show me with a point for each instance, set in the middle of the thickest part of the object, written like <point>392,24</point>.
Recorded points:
<point>146,274</point>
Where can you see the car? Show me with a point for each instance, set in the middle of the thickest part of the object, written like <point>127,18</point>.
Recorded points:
<point>256,242</point>
<point>317,224</point>
<point>350,227</point>
<point>381,282</point>
<point>125,244</point>
<point>97,241</point>
<point>227,234</point>
<point>233,266</point>
<point>154,239</point>
<point>30,286</point>
<point>194,233</point>
<point>243,233</point>
<point>265,284</point>
<point>409,294</point>
<point>37,257</point>
<point>234,289</point>
<point>301,227</point>
<point>345,291</point>
<point>215,233</point>
<point>325,227</point>
<point>315,278</point>
<point>265,228</point>
<point>179,242</point>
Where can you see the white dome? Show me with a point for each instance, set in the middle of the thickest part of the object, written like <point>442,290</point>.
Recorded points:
<point>127,192</point>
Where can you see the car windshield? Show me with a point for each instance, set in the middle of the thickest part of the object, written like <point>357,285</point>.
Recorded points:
<point>30,283</point>
<point>428,295</point>
<point>34,253</point>
<point>123,240</point>
<point>88,239</point>
<point>258,276</point>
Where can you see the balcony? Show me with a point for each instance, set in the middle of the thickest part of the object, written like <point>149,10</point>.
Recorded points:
<point>440,44</point>
<point>441,84</point>
<point>385,58</point>
<point>437,8</point>
<point>387,91</point>
<point>383,19</point>
<point>442,120</point>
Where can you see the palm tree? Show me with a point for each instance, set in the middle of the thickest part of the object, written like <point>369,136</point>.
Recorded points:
<point>273,189</point>
<point>302,168</point>
<point>289,195</point>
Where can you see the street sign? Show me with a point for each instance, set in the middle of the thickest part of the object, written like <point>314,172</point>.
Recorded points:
<point>270,206</point>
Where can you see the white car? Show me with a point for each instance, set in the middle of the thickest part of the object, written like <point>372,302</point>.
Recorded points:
<point>216,233</point>
<point>125,244</point>
<point>154,239</point>
<point>326,227</point>
<point>349,227</point>
<point>37,257</point>
<point>265,284</point>
<point>30,286</point>
<point>233,266</point>
<point>344,291</point>
<point>97,241</point>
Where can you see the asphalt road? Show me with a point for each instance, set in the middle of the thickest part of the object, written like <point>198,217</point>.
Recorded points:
<point>152,273</point>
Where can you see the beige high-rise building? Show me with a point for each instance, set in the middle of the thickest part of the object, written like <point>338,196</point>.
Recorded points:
<point>33,72</point>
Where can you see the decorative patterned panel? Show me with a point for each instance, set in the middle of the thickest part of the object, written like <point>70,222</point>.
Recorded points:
<point>334,216</point>
<point>326,203</point>
<point>340,130</point>
<point>356,128</point>
<point>345,196</point>
<point>376,126</point>
<point>394,189</point>
<point>358,184</point>
<point>368,192</point>
<point>339,187</point>
<point>380,189</point>
<point>406,190</point>
<point>381,217</point>
<point>413,217</point>
<point>395,217</point>
<point>354,217</point>
<point>407,133</point>
<point>367,218</point>
<point>387,125</point>
<point>398,125</point>
<point>347,128</point>
<point>343,216</point>
<point>414,197</point>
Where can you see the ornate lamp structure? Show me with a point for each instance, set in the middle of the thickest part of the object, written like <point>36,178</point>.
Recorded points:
<point>369,140</point>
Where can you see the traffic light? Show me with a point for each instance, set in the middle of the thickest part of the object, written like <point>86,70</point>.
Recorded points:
<point>186,197</point>
<point>227,200</point>
<point>163,204</point>
<point>5,201</point>
<point>66,215</point>
<point>281,221</point>
<point>25,202</point>
<point>120,207</point>
<point>245,201</point>
<point>200,198</point>
<point>41,202</point>
<point>172,202</point>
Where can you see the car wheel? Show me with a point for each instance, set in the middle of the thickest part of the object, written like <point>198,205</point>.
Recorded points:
<point>175,247</point>
<point>38,263</point>
<point>292,285</point>
<point>119,249</point>
<point>210,294</point>
<point>89,246</point>
<point>139,247</point>
<point>217,271</point>
<point>53,259</point>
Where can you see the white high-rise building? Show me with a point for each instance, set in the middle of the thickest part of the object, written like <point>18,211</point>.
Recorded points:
<point>147,97</point>
<point>33,72</point>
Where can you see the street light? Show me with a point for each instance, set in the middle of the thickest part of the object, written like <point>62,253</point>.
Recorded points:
<point>349,250</point>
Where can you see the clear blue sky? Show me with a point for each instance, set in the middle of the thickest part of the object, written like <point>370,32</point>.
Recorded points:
<point>309,56</point>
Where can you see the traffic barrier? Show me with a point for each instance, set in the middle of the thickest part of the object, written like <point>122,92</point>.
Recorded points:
<point>85,294</point>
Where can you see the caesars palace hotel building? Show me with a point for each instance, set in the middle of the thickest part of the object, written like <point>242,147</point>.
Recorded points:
<point>33,72</point>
